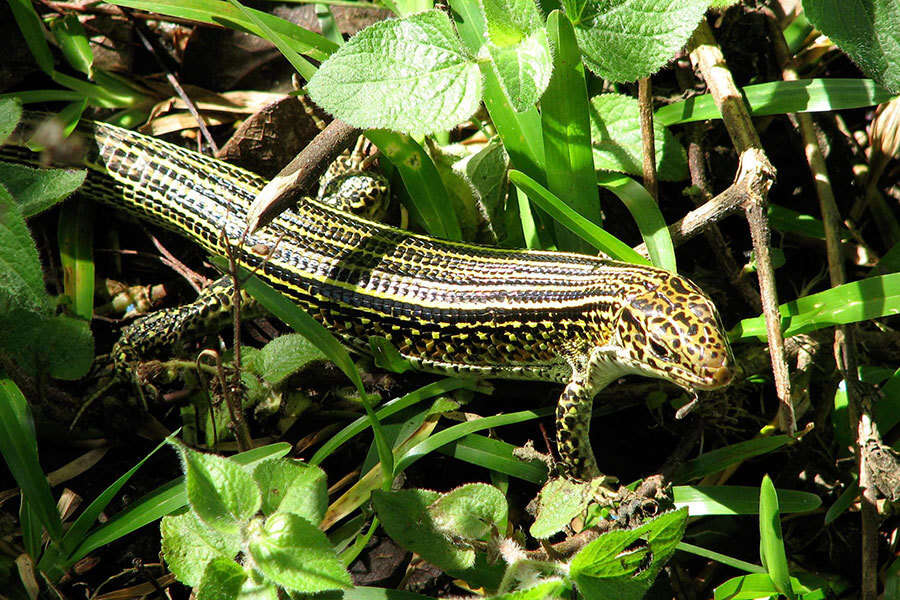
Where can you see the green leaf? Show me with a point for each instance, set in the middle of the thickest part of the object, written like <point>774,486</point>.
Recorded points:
<point>223,579</point>
<point>566,130</point>
<point>616,138</point>
<point>284,356</point>
<point>164,500</point>
<point>771,544</point>
<point>18,444</point>
<point>293,553</point>
<point>867,30</point>
<point>219,12</point>
<point>508,22</point>
<point>738,500</point>
<point>624,564</point>
<point>406,519</point>
<point>780,97</point>
<point>292,486</point>
<point>524,69</point>
<point>60,346</point>
<point>862,300</point>
<point>74,43</point>
<point>33,31</point>
<point>624,40</point>
<point>188,546</point>
<point>422,181</point>
<point>469,511</point>
<point>645,212</point>
<point>36,190</point>
<point>519,49</point>
<point>587,230</point>
<point>21,279</point>
<point>559,502</point>
<point>10,115</point>
<point>220,491</point>
<point>414,73</point>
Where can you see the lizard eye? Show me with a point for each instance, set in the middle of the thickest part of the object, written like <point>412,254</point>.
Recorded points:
<point>660,351</point>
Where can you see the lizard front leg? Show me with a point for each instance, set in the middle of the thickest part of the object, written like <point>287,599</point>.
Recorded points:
<point>573,424</point>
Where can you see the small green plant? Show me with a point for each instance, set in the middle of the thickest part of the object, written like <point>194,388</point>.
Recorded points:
<point>266,518</point>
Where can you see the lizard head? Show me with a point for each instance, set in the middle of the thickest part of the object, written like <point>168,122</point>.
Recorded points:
<point>672,330</point>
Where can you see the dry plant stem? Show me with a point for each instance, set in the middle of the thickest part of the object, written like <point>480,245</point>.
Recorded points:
<point>299,175</point>
<point>645,101</point>
<point>844,345</point>
<point>157,51</point>
<point>707,57</point>
<point>233,388</point>
<point>713,235</point>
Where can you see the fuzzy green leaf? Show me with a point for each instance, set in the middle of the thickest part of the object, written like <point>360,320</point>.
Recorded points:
<point>616,139</point>
<point>10,115</point>
<point>21,279</point>
<point>188,546</point>
<point>414,74</point>
<point>292,486</point>
<point>559,502</point>
<point>284,356</point>
<point>293,553</point>
<point>220,491</point>
<point>223,579</point>
<point>406,518</point>
<point>59,346</point>
<point>624,564</point>
<point>469,511</point>
<point>624,40</point>
<point>867,30</point>
<point>36,190</point>
<point>508,22</point>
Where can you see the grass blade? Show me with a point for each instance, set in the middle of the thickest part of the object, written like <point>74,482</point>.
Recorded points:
<point>725,560</point>
<point>563,213</point>
<point>780,97</point>
<point>18,444</point>
<point>219,12</point>
<point>862,300</point>
<point>76,253</point>
<point>718,460</point>
<point>424,184</point>
<point>771,544</point>
<point>495,456</point>
<point>391,408</point>
<point>645,212</point>
<point>566,129</point>
<point>33,31</point>
<point>89,516</point>
<point>456,432</point>
<point>303,66</point>
<point>738,500</point>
